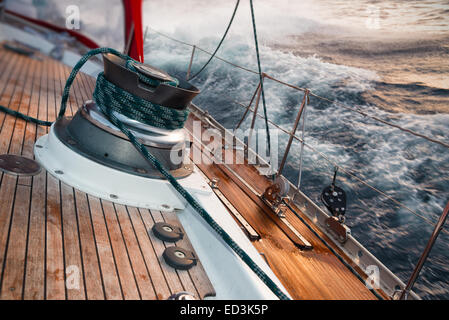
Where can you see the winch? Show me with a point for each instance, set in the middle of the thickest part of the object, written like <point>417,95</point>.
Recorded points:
<point>89,152</point>
<point>91,134</point>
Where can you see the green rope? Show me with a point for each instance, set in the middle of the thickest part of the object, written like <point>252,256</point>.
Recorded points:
<point>261,79</point>
<point>104,100</point>
<point>142,110</point>
<point>25,117</point>
<point>220,43</point>
<point>68,84</point>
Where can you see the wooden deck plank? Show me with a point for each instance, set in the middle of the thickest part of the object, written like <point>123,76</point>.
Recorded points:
<point>8,182</point>
<point>8,79</point>
<point>62,78</point>
<point>76,87</point>
<point>93,279</point>
<point>112,286</point>
<point>72,250</point>
<point>72,102</point>
<point>14,269</point>
<point>71,241</point>
<point>35,273</point>
<point>11,98</point>
<point>85,86</point>
<point>3,56</point>
<point>55,274</point>
<point>125,271</point>
<point>54,103</point>
<point>141,273</point>
<point>90,83</point>
<point>81,94</point>
<point>30,128</point>
<point>7,192</point>
<point>91,268</point>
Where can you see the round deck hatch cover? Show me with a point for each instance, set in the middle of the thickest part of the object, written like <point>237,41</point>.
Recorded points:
<point>18,165</point>
<point>167,232</point>
<point>179,258</point>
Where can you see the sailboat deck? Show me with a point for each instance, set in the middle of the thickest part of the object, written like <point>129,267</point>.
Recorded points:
<point>47,227</point>
<point>51,233</point>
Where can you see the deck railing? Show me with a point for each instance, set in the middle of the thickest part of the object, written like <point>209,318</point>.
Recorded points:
<point>293,136</point>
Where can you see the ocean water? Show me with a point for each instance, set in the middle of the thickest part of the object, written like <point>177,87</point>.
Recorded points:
<point>388,58</point>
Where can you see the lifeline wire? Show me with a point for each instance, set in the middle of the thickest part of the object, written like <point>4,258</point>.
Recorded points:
<point>220,43</point>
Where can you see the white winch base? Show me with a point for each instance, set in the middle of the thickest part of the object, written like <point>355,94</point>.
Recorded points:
<point>111,184</point>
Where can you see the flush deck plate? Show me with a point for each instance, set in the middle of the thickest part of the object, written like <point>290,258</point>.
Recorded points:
<point>18,165</point>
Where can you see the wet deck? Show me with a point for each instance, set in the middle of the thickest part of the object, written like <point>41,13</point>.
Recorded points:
<point>51,233</point>
<point>306,274</point>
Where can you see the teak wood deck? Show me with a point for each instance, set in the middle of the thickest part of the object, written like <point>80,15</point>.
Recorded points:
<point>50,232</point>
<point>47,226</point>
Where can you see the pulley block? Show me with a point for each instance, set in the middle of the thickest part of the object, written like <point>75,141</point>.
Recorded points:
<point>334,198</point>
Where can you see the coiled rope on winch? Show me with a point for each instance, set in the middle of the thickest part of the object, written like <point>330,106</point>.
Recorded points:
<point>108,97</point>
<point>119,100</point>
